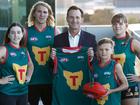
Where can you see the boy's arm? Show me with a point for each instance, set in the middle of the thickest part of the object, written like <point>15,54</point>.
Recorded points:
<point>2,54</point>
<point>123,81</point>
<point>7,79</point>
<point>135,47</point>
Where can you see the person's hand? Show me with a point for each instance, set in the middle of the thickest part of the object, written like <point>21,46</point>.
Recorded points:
<point>90,53</point>
<point>53,53</point>
<point>133,78</point>
<point>7,80</point>
<point>90,96</point>
<point>2,59</point>
<point>107,94</point>
<point>27,80</point>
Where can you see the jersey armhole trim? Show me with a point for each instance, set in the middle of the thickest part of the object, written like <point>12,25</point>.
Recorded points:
<point>115,75</point>
<point>55,65</point>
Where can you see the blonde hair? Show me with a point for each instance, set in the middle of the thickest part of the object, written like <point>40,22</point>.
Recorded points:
<point>50,19</point>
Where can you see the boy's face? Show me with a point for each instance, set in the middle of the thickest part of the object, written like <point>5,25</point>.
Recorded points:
<point>119,27</point>
<point>105,51</point>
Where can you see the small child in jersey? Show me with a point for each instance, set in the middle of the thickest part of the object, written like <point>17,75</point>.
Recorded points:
<point>107,72</point>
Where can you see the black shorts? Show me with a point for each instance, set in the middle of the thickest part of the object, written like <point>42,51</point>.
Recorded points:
<point>13,99</point>
<point>131,92</point>
<point>37,92</point>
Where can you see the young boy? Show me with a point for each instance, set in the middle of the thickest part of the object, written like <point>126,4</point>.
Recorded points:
<point>107,72</point>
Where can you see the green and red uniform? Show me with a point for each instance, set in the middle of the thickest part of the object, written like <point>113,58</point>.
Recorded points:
<point>72,72</point>
<point>16,64</point>
<point>106,76</point>
<point>39,45</point>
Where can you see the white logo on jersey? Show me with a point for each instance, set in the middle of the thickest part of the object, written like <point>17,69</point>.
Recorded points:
<point>80,57</point>
<point>48,36</point>
<point>13,54</point>
<point>33,39</point>
<point>95,75</point>
<point>22,53</point>
<point>107,73</point>
<point>64,60</point>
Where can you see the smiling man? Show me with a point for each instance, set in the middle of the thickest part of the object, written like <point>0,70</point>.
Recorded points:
<point>72,71</point>
<point>75,36</point>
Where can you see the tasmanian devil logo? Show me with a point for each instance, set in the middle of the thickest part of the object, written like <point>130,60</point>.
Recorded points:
<point>74,79</point>
<point>20,72</point>
<point>104,99</point>
<point>41,54</point>
<point>120,58</point>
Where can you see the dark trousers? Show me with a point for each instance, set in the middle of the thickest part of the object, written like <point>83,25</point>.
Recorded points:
<point>37,92</point>
<point>13,99</point>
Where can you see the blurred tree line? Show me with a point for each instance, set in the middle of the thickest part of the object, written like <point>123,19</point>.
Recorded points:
<point>100,17</point>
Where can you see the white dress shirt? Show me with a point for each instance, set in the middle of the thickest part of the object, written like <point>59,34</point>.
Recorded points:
<point>74,40</point>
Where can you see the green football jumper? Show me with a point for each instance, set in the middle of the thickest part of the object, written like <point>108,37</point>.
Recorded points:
<point>72,72</point>
<point>39,45</point>
<point>106,76</point>
<point>16,64</point>
<point>124,55</point>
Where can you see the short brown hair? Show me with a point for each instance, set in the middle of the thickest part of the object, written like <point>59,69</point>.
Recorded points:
<point>118,17</point>
<point>75,8</point>
<point>105,40</point>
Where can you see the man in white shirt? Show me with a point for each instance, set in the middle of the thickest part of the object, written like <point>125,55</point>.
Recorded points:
<point>74,36</point>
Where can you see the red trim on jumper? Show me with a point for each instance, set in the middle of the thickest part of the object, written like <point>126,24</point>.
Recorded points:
<point>106,63</point>
<point>68,50</point>
<point>26,37</point>
<point>121,38</point>
<point>90,64</point>
<point>55,65</point>
<point>41,29</point>
<point>115,75</point>
<point>28,56</point>
<point>131,45</point>
<point>12,45</point>
<point>72,48</point>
